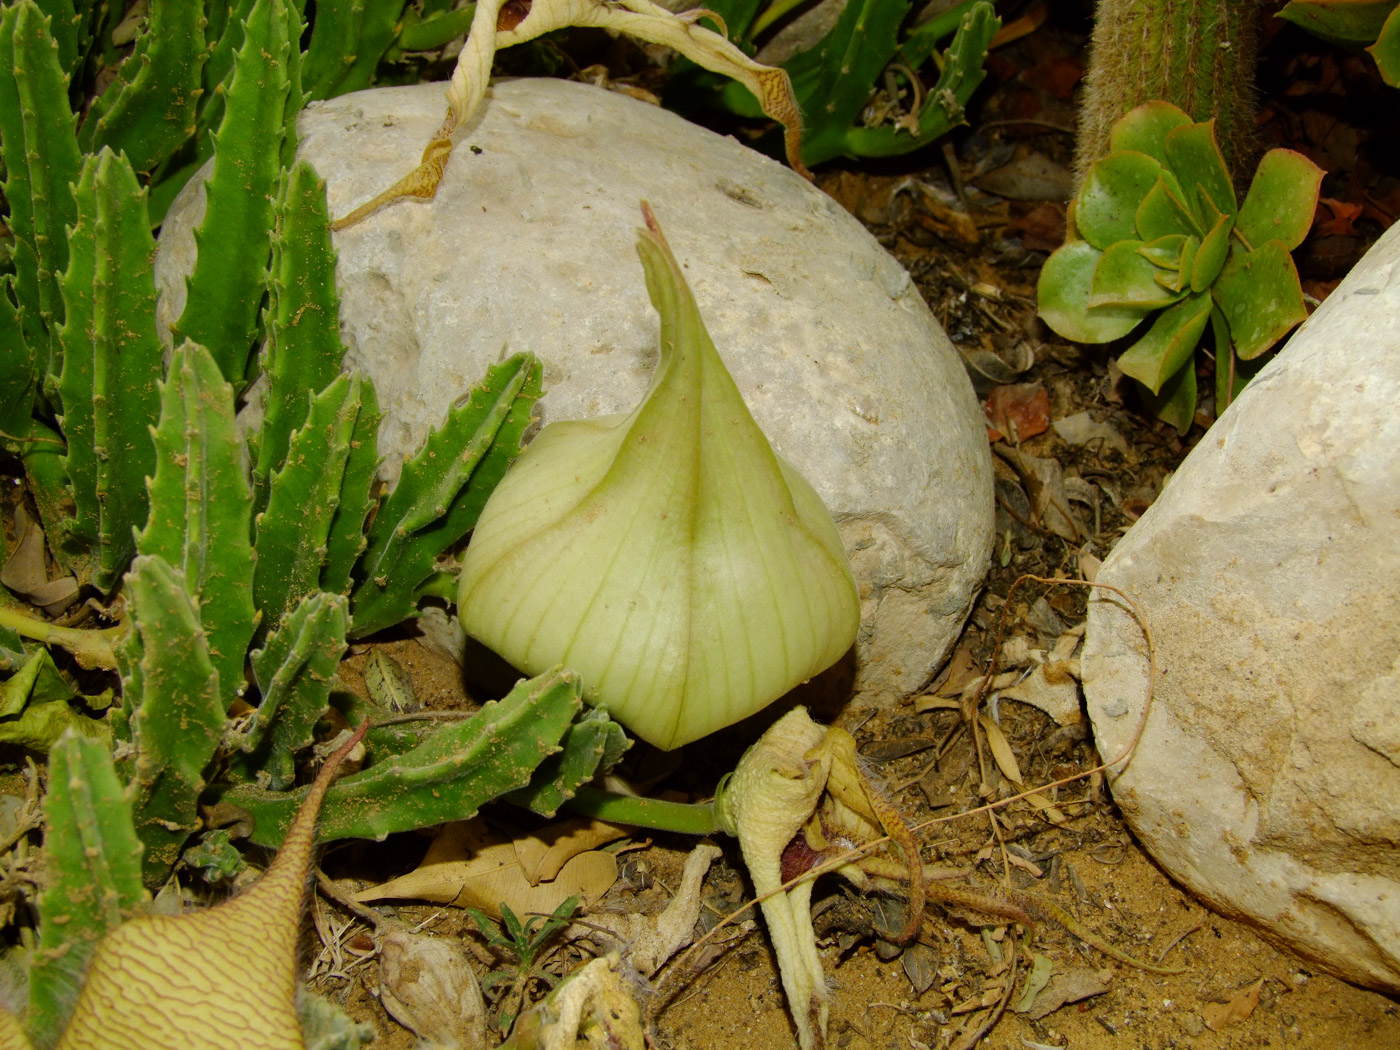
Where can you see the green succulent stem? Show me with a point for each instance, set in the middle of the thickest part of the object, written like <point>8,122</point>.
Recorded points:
<point>433,33</point>
<point>684,818</point>
<point>945,23</point>
<point>776,10</point>
<point>1196,54</point>
<point>91,648</point>
<point>440,585</point>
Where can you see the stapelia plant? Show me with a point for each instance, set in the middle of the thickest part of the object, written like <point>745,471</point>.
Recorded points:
<point>1373,24</point>
<point>1156,232</point>
<point>688,572</point>
<point>229,554</point>
<point>268,553</point>
<point>873,86</point>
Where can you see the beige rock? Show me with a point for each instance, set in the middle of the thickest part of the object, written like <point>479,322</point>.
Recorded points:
<point>1268,777</point>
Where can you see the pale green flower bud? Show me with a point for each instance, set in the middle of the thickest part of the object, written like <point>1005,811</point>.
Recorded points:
<point>687,571</point>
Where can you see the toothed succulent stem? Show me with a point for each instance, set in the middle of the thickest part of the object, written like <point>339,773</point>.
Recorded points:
<point>1196,54</point>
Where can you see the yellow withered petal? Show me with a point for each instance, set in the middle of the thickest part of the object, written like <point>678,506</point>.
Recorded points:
<point>218,978</point>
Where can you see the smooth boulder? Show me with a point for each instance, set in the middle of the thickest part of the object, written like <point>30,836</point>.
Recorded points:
<point>1268,775</point>
<point>529,246</point>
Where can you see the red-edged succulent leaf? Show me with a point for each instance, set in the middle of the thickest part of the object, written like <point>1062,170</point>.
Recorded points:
<point>1063,293</point>
<point>1386,50</point>
<point>1260,295</point>
<point>1182,278</point>
<point>1195,159</point>
<point>1106,208</point>
<point>1125,276</point>
<point>1145,128</point>
<point>1163,213</point>
<point>1224,360</point>
<point>1281,200</point>
<point>1216,245</point>
<point>1231,373</point>
<point>1168,344</point>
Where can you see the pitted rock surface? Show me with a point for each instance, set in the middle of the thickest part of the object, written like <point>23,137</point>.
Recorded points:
<point>1268,776</point>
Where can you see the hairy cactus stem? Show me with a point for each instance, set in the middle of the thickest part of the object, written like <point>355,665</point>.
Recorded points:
<point>1196,54</point>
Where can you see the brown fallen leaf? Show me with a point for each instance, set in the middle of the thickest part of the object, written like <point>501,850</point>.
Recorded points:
<point>1019,409</point>
<point>26,571</point>
<point>1044,479</point>
<point>543,854</point>
<point>1069,987</point>
<point>1006,761</point>
<point>1030,176</point>
<point>1237,1008</point>
<point>471,865</point>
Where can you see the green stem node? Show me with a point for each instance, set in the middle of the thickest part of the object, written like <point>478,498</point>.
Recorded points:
<point>681,817</point>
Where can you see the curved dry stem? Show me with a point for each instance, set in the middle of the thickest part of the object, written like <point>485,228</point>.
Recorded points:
<point>493,28</point>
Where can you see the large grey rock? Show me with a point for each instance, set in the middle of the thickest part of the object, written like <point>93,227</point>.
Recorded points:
<point>529,246</point>
<point>1268,776</point>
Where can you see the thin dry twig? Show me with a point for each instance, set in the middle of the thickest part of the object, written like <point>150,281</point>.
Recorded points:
<point>1177,940</point>
<point>971,1038</point>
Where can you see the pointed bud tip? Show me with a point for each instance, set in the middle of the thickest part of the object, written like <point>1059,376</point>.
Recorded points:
<point>654,227</point>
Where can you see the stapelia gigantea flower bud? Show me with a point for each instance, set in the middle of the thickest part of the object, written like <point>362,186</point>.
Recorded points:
<point>687,571</point>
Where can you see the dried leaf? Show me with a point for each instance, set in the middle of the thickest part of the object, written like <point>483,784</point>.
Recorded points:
<point>961,668</point>
<point>1017,411</point>
<point>1006,762</point>
<point>1033,177</point>
<point>542,855</point>
<point>426,984</point>
<point>1083,429</point>
<point>1089,563</point>
<point>26,572</point>
<point>1234,1010</point>
<point>1000,365</point>
<point>920,964</point>
<point>899,747</point>
<point>1041,971</point>
<point>1001,750</point>
<point>388,683</point>
<point>1339,219</point>
<point>470,865</point>
<point>1069,987</point>
<point>1045,482</point>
